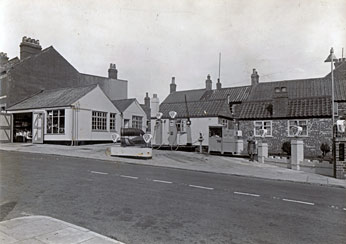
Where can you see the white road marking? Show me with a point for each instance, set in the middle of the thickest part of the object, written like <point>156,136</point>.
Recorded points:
<point>246,194</point>
<point>202,187</point>
<point>296,201</point>
<point>97,172</point>
<point>163,181</point>
<point>130,177</point>
<point>344,209</point>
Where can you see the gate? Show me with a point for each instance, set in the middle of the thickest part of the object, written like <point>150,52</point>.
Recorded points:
<point>37,127</point>
<point>5,127</point>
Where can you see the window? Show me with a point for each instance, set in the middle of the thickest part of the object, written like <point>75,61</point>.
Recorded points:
<point>99,120</point>
<point>260,125</point>
<point>56,121</point>
<point>137,122</point>
<point>112,121</point>
<point>223,122</point>
<point>292,127</point>
<point>181,125</point>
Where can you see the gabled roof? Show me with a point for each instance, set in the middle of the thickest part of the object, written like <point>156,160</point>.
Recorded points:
<point>123,104</point>
<point>53,98</point>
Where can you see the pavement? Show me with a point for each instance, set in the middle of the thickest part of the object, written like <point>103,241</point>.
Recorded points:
<point>47,230</point>
<point>183,160</point>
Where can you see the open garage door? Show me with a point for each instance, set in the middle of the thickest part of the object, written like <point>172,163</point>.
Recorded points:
<point>37,127</point>
<point>5,127</point>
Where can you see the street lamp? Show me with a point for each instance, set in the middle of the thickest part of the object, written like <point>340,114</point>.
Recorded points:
<point>331,59</point>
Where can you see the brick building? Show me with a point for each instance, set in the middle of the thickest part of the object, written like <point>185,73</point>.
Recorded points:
<point>38,69</point>
<point>277,106</point>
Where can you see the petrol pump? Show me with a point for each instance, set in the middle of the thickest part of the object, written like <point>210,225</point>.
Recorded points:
<point>172,129</point>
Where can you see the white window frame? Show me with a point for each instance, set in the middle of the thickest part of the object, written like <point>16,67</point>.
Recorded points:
<point>112,122</point>
<point>263,124</point>
<point>137,121</point>
<point>181,125</point>
<point>298,123</point>
<point>61,130</point>
<point>98,121</point>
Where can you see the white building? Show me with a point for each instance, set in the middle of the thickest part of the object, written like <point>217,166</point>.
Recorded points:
<point>131,113</point>
<point>67,116</point>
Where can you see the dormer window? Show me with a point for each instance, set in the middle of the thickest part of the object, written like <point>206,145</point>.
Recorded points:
<point>283,89</point>
<point>277,89</point>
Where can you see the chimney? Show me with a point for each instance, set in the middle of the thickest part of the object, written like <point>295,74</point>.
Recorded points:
<point>147,100</point>
<point>280,102</point>
<point>208,83</point>
<point>173,86</point>
<point>254,77</point>
<point>29,47</point>
<point>155,105</point>
<point>112,71</point>
<point>3,58</point>
<point>339,61</point>
<point>218,84</point>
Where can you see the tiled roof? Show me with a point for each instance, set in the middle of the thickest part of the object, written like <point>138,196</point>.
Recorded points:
<point>235,94</point>
<point>179,96</point>
<point>123,104</point>
<point>53,98</point>
<point>197,109</point>
<point>297,108</point>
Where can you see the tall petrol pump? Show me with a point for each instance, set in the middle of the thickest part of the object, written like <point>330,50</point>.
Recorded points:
<point>172,129</point>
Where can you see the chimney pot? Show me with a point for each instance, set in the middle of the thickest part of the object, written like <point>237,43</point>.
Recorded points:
<point>254,77</point>
<point>29,47</point>
<point>112,71</point>
<point>172,86</point>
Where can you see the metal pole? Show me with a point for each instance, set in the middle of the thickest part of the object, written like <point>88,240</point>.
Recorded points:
<point>332,63</point>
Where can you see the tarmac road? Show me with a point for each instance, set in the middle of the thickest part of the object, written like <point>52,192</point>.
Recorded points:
<point>146,204</point>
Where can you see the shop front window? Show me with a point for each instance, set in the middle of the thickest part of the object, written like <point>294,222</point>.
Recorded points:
<point>56,121</point>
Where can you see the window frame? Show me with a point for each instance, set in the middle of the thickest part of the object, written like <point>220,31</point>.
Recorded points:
<point>262,122</point>
<point>112,122</point>
<point>138,121</point>
<point>98,121</point>
<point>297,124</point>
<point>51,117</point>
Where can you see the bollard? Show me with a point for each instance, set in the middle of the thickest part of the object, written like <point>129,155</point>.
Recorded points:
<point>297,153</point>
<point>262,151</point>
<point>200,139</point>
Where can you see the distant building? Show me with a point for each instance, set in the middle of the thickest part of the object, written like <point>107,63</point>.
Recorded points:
<point>132,114</point>
<point>38,69</point>
<point>275,106</point>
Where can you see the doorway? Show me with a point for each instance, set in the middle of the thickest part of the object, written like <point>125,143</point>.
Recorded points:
<point>22,127</point>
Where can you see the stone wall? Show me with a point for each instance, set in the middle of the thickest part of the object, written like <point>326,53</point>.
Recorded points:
<point>319,131</point>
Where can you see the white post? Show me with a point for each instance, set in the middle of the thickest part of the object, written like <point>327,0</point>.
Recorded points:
<point>262,151</point>
<point>297,153</point>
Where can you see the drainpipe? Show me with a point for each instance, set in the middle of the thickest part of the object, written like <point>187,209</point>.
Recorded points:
<point>72,131</point>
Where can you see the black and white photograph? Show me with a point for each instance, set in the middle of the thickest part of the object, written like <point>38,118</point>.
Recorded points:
<point>158,121</point>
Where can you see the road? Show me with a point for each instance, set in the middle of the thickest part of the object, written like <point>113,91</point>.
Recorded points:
<point>145,204</point>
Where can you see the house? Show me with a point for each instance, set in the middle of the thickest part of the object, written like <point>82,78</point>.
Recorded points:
<point>41,69</point>
<point>132,115</point>
<point>277,106</point>
<point>71,116</point>
<point>204,107</point>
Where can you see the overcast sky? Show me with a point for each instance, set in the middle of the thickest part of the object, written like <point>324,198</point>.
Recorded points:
<point>151,41</point>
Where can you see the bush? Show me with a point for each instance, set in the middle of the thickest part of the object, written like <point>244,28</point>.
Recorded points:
<point>286,147</point>
<point>325,148</point>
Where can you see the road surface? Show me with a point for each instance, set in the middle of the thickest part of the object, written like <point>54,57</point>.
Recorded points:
<point>145,204</point>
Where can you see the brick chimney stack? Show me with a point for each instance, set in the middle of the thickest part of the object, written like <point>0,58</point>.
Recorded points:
<point>254,77</point>
<point>173,86</point>
<point>218,84</point>
<point>147,100</point>
<point>112,71</point>
<point>29,47</point>
<point>208,83</point>
<point>3,58</point>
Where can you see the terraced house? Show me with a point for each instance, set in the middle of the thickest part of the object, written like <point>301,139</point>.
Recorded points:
<point>276,106</point>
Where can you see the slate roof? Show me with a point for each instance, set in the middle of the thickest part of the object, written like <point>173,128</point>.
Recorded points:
<point>197,109</point>
<point>123,104</point>
<point>53,98</point>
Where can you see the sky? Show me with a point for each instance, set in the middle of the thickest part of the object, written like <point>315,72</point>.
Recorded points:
<point>151,41</point>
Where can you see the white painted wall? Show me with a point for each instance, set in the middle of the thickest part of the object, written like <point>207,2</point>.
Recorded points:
<point>197,125</point>
<point>95,100</point>
<point>135,109</point>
